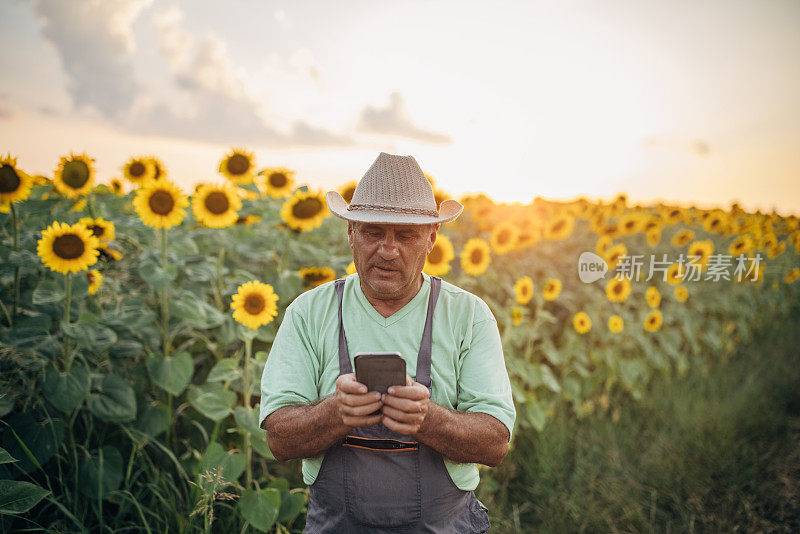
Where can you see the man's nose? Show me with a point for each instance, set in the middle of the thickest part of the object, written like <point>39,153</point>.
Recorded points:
<point>388,247</point>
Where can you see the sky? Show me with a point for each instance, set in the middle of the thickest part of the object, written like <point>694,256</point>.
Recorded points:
<point>685,102</point>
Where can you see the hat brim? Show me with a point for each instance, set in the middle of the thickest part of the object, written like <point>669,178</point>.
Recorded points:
<point>448,210</point>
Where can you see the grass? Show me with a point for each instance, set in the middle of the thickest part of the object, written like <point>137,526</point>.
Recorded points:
<point>714,451</point>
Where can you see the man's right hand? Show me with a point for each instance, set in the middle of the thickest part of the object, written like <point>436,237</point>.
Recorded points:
<point>355,403</point>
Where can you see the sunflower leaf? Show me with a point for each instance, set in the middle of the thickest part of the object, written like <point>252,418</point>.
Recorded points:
<point>260,507</point>
<point>172,373</point>
<point>66,391</point>
<point>212,400</point>
<point>17,497</point>
<point>116,401</point>
<point>102,473</point>
<point>47,292</point>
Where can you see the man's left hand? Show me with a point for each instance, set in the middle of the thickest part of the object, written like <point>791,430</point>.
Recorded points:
<point>405,407</point>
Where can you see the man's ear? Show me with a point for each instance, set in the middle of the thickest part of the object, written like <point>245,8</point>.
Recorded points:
<point>432,236</point>
<point>350,230</point>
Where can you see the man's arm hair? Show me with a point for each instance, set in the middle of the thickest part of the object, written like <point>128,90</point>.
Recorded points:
<point>304,430</point>
<point>464,436</point>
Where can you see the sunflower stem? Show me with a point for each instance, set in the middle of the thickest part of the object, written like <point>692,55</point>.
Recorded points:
<point>90,203</point>
<point>15,227</point>
<point>218,293</point>
<point>164,302</point>
<point>248,350</point>
<point>68,305</point>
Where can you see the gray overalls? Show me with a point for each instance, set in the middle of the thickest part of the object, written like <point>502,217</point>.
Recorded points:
<point>376,480</point>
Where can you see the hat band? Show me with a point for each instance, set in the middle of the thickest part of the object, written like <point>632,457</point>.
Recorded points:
<point>395,209</point>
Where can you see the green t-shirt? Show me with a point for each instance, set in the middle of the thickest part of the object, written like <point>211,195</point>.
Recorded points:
<point>468,371</point>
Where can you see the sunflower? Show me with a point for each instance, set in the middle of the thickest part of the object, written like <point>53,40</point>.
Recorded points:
<point>238,166</point>
<point>754,273</point>
<point>581,322</point>
<point>603,244</point>
<point>653,321</point>
<point>476,256</point>
<point>216,205</point>
<point>79,205</point>
<point>618,289</point>
<point>316,276</point>
<point>95,280</point>
<point>160,170</point>
<point>552,288</point>
<point>15,185</point>
<point>653,236</point>
<point>681,293</point>
<point>305,210</point>
<point>610,230</point>
<point>741,245</point>
<point>701,250</point>
<point>524,289</point>
<point>109,252</point>
<point>351,268</point>
<point>504,237</point>
<point>278,182</point>
<point>682,238</point>
<point>530,232</point>
<point>248,220</point>
<point>560,228</point>
<point>792,275</point>
<point>652,296</point>
<point>630,223</point>
<point>674,215</point>
<point>102,229</point>
<point>347,190</point>
<point>615,324</point>
<point>67,248</point>
<point>716,222</point>
<point>675,273</point>
<point>440,196</point>
<point>516,315</point>
<point>613,255</point>
<point>74,175</point>
<point>160,204</point>
<point>438,261</point>
<point>139,170</point>
<point>776,250</point>
<point>116,186</point>
<point>254,304</point>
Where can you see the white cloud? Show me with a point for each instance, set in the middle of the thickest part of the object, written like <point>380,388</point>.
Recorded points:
<point>394,119</point>
<point>94,41</point>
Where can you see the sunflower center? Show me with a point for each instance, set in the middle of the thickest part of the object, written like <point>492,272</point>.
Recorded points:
<point>277,179</point>
<point>68,246</point>
<point>161,202</point>
<point>254,304</point>
<point>313,278</point>
<point>436,255</point>
<point>238,164</point>
<point>617,289</point>
<point>558,226</point>
<point>75,174</point>
<point>629,225</point>
<point>476,256</point>
<point>9,179</point>
<point>158,172</point>
<point>503,237</point>
<point>307,208</point>
<point>217,202</point>
<point>348,194</point>
<point>97,230</point>
<point>136,169</point>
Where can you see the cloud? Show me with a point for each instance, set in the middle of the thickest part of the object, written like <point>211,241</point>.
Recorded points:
<point>220,109</point>
<point>95,41</point>
<point>698,147</point>
<point>395,120</point>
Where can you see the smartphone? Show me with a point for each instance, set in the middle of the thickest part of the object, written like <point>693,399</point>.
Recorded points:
<point>379,370</point>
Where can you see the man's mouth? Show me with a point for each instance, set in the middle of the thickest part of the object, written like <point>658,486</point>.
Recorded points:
<point>384,270</point>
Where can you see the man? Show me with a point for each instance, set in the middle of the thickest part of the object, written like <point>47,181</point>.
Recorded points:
<point>412,466</point>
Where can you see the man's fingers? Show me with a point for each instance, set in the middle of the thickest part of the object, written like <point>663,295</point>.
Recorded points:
<point>400,428</point>
<point>349,384</point>
<point>364,409</point>
<point>363,420</point>
<point>405,405</point>
<point>412,418</point>
<point>415,392</point>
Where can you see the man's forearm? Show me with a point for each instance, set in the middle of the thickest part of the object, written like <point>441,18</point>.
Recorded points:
<point>304,431</point>
<point>464,436</point>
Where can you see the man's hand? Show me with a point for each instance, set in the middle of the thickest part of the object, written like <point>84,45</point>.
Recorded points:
<point>405,407</point>
<point>355,403</point>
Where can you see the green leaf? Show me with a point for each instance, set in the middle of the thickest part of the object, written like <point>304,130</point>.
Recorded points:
<point>537,416</point>
<point>549,379</point>
<point>172,373</point>
<point>47,292</point>
<point>6,458</point>
<point>154,420</point>
<point>27,437</point>
<point>6,403</point>
<point>18,497</point>
<point>225,370</point>
<point>102,473</point>
<point>155,276</point>
<point>260,507</point>
<point>115,402</point>
<point>212,400</point>
<point>66,391</point>
<point>233,463</point>
<point>291,507</point>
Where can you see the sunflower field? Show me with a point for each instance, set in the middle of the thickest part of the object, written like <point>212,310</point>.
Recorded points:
<point>135,321</point>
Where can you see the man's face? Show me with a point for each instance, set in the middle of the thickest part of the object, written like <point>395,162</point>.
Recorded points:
<point>389,257</point>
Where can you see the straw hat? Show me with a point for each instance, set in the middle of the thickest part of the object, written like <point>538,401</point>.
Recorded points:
<point>394,190</point>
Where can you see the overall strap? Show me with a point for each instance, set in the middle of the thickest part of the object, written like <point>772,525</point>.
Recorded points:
<point>344,353</point>
<point>424,356</point>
